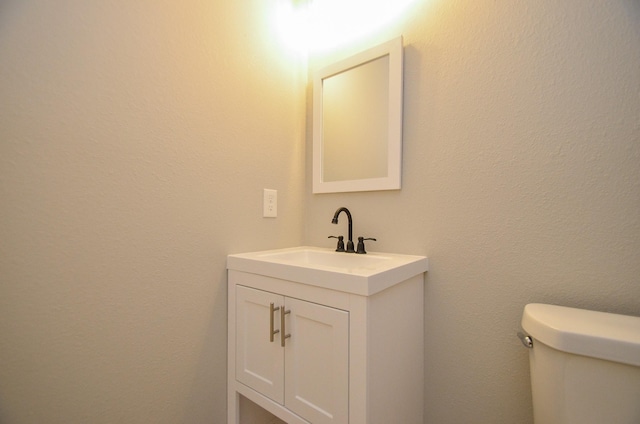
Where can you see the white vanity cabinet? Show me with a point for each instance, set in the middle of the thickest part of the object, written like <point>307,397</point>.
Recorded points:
<point>303,364</point>
<point>350,356</point>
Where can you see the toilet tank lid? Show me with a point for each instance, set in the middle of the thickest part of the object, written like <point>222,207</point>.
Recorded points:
<point>597,334</point>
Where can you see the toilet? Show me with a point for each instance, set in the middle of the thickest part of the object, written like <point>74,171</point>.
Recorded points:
<point>585,365</point>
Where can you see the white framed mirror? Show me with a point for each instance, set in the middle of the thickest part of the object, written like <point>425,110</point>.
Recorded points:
<point>357,122</point>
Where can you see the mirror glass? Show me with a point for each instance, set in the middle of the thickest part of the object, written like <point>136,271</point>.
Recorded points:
<point>357,139</point>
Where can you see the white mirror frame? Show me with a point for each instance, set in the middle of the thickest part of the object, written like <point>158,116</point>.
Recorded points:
<point>393,179</point>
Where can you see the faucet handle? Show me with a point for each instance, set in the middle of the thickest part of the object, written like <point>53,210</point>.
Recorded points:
<point>340,246</point>
<point>361,244</point>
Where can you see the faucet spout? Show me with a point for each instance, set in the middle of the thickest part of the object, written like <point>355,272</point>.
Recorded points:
<point>350,248</point>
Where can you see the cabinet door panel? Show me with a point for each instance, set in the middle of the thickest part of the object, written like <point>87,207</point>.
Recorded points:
<point>259,362</point>
<point>317,362</point>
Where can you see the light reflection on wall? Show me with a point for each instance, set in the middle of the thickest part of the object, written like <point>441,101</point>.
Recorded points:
<point>315,25</point>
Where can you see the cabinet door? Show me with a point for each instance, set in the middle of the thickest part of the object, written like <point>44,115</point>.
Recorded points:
<point>259,362</point>
<point>317,362</point>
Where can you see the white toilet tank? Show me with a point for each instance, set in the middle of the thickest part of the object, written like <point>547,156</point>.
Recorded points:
<point>585,365</point>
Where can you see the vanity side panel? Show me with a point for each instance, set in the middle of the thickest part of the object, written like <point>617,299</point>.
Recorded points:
<point>233,400</point>
<point>358,359</point>
<point>396,354</point>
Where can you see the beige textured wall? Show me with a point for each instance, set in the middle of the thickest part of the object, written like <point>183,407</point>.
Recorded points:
<point>135,141</point>
<point>521,183</point>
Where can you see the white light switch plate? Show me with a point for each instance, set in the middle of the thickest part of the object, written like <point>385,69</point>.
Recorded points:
<point>270,203</point>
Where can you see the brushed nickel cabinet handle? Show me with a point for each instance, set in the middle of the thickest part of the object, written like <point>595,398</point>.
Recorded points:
<point>283,336</point>
<point>272,311</point>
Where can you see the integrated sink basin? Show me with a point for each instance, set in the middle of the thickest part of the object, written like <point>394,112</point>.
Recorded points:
<point>316,257</point>
<point>349,272</point>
